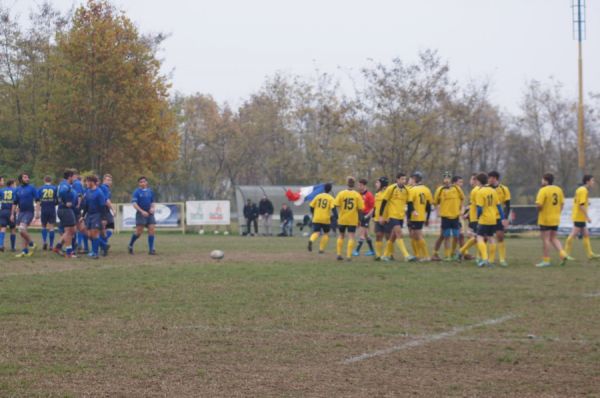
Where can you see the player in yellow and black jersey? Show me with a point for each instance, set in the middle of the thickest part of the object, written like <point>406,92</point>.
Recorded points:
<point>504,197</point>
<point>449,199</point>
<point>581,217</point>
<point>488,206</point>
<point>382,229</point>
<point>419,210</point>
<point>321,207</point>
<point>550,202</point>
<point>471,216</point>
<point>349,203</point>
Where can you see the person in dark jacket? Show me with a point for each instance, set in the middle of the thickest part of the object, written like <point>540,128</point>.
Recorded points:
<point>251,215</point>
<point>265,208</point>
<point>287,220</point>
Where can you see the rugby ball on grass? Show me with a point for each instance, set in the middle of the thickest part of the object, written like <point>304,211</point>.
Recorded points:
<point>217,254</point>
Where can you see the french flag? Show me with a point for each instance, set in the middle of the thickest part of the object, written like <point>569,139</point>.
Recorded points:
<point>306,194</point>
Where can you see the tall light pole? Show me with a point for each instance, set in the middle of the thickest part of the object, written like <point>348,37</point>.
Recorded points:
<point>578,9</point>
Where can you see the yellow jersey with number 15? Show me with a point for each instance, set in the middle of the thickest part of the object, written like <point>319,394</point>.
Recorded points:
<point>550,199</point>
<point>349,204</point>
<point>322,205</point>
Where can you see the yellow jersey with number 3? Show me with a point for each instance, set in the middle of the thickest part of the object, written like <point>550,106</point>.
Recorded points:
<point>322,205</point>
<point>551,200</point>
<point>396,197</point>
<point>487,199</point>
<point>349,204</point>
<point>420,196</point>
<point>581,199</point>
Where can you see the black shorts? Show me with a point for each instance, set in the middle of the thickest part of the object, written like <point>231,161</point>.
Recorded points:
<point>473,226</point>
<point>321,227</point>
<point>48,217</point>
<point>394,222</point>
<point>450,223</point>
<point>347,228</point>
<point>365,221</point>
<point>579,224</point>
<point>499,226</point>
<point>486,230</point>
<point>66,217</point>
<point>548,227</point>
<point>416,225</point>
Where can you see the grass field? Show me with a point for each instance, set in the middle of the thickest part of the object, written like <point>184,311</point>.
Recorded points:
<point>274,320</point>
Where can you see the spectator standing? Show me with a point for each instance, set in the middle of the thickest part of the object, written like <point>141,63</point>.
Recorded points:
<point>251,215</point>
<point>265,208</point>
<point>287,220</point>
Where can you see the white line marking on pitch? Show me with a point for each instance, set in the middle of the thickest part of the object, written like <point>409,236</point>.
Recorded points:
<point>427,339</point>
<point>597,294</point>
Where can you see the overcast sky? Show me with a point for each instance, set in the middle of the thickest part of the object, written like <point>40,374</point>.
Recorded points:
<point>227,47</point>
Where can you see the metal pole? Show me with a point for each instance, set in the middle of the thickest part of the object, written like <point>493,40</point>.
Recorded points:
<point>580,114</point>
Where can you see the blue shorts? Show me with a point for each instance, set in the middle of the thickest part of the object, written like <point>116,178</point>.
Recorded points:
<point>140,220</point>
<point>5,219</point>
<point>66,217</point>
<point>450,227</point>
<point>25,217</point>
<point>486,230</point>
<point>48,217</point>
<point>321,227</point>
<point>93,221</point>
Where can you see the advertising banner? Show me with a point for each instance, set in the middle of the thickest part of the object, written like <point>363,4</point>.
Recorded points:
<point>167,215</point>
<point>208,212</point>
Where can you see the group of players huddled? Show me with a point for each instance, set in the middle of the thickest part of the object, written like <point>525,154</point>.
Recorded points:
<point>85,214</point>
<point>487,214</point>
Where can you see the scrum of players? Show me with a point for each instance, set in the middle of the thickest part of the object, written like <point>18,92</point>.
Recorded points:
<point>409,199</point>
<point>82,211</point>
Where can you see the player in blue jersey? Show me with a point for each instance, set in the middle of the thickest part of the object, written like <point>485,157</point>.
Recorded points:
<point>143,202</point>
<point>108,219</point>
<point>24,212</point>
<point>93,205</point>
<point>82,241</point>
<point>46,197</point>
<point>67,201</point>
<point>6,220</point>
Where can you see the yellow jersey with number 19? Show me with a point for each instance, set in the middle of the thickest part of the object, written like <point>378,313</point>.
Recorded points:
<point>581,199</point>
<point>550,199</point>
<point>349,204</point>
<point>322,205</point>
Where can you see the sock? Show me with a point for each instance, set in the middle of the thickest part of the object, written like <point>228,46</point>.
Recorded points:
<point>587,245</point>
<point>95,244</point>
<point>324,242</point>
<point>415,247</point>
<point>361,241</point>
<point>447,252</point>
<point>51,235</point>
<point>423,248</point>
<point>492,254</point>
<point>470,243</point>
<point>350,248</point>
<point>30,243</point>
<point>59,245</point>
<point>546,259</point>
<point>2,238</point>
<point>402,246</point>
<point>44,235</point>
<point>482,247</point>
<point>502,250</point>
<point>69,250</point>
<point>13,241</point>
<point>370,243</point>
<point>79,237</point>
<point>339,245</point>
<point>563,254</point>
<point>378,248</point>
<point>86,247</point>
<point>150,242</point>
<point>569,244</point>
<point>109,233</point>
<point>26,250</point>
<point>313,238</point>
<point>389,249</point>
<point>134,237</point>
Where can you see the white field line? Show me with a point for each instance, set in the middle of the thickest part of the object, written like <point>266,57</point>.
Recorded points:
<point>427,339</point>
<point>590,295</point>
